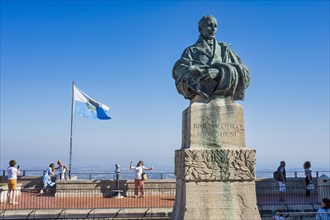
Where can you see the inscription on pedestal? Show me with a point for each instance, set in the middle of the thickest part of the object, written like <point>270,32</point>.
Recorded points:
<point>211,126</point>
<point>209,130</point>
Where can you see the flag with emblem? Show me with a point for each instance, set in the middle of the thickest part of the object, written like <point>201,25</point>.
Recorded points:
<point>87,107</point>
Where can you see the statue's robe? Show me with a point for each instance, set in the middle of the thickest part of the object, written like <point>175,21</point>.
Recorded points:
<point>233,76</point>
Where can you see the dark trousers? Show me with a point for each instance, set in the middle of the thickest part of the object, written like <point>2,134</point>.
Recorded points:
<point>308,192</point>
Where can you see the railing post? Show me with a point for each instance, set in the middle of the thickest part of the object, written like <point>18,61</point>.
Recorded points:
<point>23,172</point>
<point>3,173</point>
<point>317,174</point>
<point>295,174</point>
<point>90,176</point>
<point>162,176</point>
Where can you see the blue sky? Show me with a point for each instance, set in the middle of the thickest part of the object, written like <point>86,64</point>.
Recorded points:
<point>121,53</point>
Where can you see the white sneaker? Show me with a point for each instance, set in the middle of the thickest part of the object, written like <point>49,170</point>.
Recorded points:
<point>41,191</point>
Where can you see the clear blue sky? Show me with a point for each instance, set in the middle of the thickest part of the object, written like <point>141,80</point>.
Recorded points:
<point>121,53</point>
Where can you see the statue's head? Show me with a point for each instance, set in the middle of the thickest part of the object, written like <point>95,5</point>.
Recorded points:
<point>207,27</point>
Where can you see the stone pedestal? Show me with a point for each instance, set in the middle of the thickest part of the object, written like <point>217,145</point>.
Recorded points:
<point>218,123</point>
<point>214,170</point>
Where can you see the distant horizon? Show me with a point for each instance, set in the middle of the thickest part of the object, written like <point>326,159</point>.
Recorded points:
<point>125,166</point>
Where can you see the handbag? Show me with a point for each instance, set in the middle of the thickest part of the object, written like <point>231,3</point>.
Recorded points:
<point>310,186</point>
<point>144,176</point>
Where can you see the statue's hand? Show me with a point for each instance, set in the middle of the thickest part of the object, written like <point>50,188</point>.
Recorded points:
<point>198,68</point>
<point>213,73</point>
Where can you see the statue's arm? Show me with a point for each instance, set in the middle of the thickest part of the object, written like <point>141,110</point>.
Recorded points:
<point>230,60</point>
<point>182,68</point>
<point>186,72</point>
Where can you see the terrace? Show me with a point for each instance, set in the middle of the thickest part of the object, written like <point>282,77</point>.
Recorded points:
<point>97,199</point>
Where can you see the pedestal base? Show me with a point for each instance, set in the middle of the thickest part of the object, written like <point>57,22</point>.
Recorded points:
<point>215,201</point>
<point>214,169</point>
<point>215,184</point>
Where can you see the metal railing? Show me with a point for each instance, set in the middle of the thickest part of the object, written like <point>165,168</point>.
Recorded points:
<point>98,175</point>
<point>156,175</point>
<point>106,214</point>
<point>294,195</point>
<point>292,174</point>
<point>303,215</point>
<point>296,215</point>
<point>90,199</point>
<point>154,197</point>
<point>105,176</point>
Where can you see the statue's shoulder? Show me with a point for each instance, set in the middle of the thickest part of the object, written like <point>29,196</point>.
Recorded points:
<point>192,49</point>
<point>198,46</point>
<point>224,44</point>
<point>194,46</point>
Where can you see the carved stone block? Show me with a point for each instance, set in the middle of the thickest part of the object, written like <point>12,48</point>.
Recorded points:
<point>216,124</point>
<point>215,164</point>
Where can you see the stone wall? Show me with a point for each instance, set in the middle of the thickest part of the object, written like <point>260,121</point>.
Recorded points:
<point>105,187</point>
<point>28,182</point>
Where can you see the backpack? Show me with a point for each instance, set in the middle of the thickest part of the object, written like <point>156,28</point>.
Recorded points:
<point>277,175</point>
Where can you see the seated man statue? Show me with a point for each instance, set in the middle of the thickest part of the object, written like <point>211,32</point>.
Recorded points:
<point>209,68</point>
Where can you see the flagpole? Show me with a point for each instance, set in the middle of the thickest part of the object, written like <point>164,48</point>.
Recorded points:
<point>70,161</point>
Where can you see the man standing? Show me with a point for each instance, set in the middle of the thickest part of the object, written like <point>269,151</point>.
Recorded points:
<point>282,180</point>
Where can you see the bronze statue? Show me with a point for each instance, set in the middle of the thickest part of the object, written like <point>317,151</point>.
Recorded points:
<point>209,68</point>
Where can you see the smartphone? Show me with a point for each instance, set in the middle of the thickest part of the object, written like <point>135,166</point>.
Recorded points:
<point>18,167</point>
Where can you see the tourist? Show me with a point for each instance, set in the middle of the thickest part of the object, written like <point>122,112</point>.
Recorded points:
<point>278,215</point>
<point>138,181</point>
<point>324,212</point>
<point>282,180</point>
<point>210,68</point>
<point>61,170</point>
<point>13,172</point>
<point>308,178</point>
<point>47,178</point>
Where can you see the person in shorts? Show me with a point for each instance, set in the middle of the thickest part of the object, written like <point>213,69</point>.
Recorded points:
<point>13,172</point>
<point>282,180</point>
